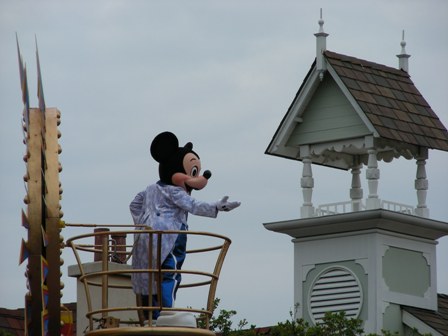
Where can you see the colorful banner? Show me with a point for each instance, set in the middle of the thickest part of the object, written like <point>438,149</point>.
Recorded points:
<point>66,322</point>
<point>44,296</point>
<point>44,269</point>
<point>45,323</point>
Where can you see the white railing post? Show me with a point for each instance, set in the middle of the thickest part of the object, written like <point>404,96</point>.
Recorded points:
<point>307,184</point>
<point>356,192</point>
<point>372,175</point>
<point>421,186</point>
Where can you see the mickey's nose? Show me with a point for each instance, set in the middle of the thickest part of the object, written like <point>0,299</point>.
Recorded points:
<point>207,174</point>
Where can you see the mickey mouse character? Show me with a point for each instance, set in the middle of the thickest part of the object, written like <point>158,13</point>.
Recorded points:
<point>165,206</point>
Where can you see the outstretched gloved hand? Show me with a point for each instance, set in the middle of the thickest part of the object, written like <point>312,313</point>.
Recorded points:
<point>225,205</point>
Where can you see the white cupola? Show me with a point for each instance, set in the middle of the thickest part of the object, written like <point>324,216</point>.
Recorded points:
<point>371,258</point>
<point>350,113</point>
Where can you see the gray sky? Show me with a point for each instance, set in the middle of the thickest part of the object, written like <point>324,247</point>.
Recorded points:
<point>219,74</point>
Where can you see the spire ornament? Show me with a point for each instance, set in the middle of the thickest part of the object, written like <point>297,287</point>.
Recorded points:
<point>321,23</point>
<point>403,58</point>
<point>321,46</point>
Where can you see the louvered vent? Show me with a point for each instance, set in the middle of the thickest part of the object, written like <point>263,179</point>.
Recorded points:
<point>335,290</point>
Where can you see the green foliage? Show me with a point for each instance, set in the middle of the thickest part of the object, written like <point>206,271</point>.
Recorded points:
<point>292,327</point>
<point>223,323</point>
<point>338,324</point>
<point>3,332</point>
<point>414,332</point>
<point>386,333</point>
<point>333,324</point>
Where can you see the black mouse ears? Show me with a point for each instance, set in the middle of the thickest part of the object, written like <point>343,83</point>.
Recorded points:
<point>165,145</point>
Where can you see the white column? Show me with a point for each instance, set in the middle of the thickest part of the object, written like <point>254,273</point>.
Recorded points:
<point>421,186</point>
<point>372,175</point>
<point>307,184</point>
<point>356,192</point>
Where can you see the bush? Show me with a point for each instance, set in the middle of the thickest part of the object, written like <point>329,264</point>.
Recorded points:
<point>222,323</point>
<point>333,324</point>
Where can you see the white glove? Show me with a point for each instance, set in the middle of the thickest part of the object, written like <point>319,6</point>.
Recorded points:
<point>224,205</point>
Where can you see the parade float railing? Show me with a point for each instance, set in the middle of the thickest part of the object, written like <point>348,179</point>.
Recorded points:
<point>112,255</point>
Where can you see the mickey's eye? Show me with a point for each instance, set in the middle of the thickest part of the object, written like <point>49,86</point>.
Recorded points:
<point>194,171</point>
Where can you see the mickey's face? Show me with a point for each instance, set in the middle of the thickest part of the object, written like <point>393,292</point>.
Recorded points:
<point>190,179</point>
<point>179,166</point>
<point>192,164</point>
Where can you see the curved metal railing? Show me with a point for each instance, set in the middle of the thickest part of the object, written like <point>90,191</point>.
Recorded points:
<point>114,255</point>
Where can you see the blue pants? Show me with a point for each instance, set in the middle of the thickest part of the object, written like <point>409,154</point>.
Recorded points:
<point>170,280</point>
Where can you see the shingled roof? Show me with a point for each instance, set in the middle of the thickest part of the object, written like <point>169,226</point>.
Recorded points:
<point>350,103</point>
<point>12,320</point>
<point>438,320</point>
<point>390,100</point>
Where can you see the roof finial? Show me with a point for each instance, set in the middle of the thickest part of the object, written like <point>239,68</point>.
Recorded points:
<point>321,23</point>
<point>403,43</point>
<point>403,58</point>
<point>321,46</point>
